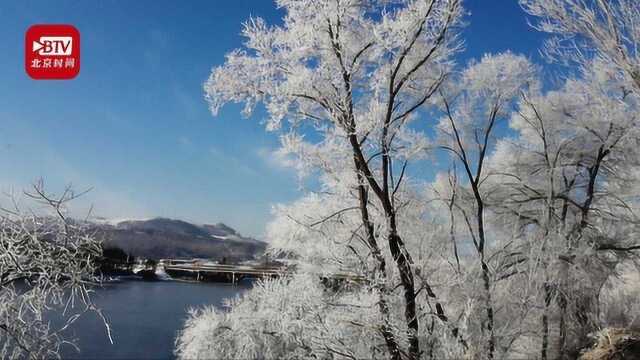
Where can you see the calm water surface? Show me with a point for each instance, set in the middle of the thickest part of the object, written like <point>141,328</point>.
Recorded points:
<point>144,317</point>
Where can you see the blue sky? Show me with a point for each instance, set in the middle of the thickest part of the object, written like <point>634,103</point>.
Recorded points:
<point>134,125</point>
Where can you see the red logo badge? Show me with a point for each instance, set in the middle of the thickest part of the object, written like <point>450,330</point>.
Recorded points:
<point>52,52</point>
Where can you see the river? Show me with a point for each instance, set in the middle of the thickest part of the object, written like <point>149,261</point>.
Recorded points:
<point>144,317</point>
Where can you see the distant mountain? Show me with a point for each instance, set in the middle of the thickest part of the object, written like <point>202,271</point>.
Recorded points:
<point>169,238</point>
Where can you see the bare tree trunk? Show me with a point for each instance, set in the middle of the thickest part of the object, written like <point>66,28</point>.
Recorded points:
<point>545,322</point>
<point>396,246</point>
<point>562,305</point>
<point>453,183</point>
<point>562,338</point>
<point>403,262</point>
<point>489,310</point>
<point>545,334</point>
<point>486,280</point>
<point>387,334</point>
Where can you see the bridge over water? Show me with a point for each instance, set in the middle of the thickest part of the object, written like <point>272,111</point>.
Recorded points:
<point>235,273</point>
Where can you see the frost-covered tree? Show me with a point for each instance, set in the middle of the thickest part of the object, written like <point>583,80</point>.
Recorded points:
<point>285,319</point>
<point>356,71</point>
<point>488,90</point>
<point>588,29</point>
<point>599,186</point>
<point>46,264</point>
<point>303,316</point>
<point>569,180</point>
<point>558,204</point>
<point>504,256</point>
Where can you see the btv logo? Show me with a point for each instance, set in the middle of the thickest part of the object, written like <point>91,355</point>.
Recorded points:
<point>53,45</point>
<point>52,52</point>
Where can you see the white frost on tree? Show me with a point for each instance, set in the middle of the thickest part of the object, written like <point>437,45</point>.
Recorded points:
<point>47,263</point>
<point>504,255</point>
